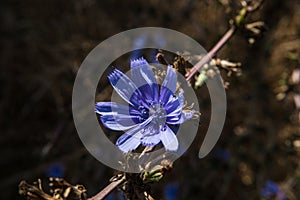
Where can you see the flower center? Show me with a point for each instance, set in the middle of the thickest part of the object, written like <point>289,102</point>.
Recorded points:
<point>159,114</point>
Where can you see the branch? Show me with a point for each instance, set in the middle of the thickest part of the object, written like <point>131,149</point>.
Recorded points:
<point>107,190</point>
<point>211,53</point>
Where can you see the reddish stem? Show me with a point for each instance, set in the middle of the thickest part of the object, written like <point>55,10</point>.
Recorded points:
<point>211,53</point>
<point>107,190</point>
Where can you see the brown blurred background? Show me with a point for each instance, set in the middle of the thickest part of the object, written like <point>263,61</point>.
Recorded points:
<point>44,42</point>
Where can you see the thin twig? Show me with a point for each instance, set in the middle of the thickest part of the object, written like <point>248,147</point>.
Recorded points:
<point>211,53</point>
<point>107,190</point>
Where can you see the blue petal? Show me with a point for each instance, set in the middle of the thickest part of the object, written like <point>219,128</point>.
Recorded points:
<point>128,115</point>
<point>125,88</point>
<point>150,140</point>
<point>144,77</point>
<point>175,104</point>
<point>119,122</point>
<point>179,97</point>
<point>151,135</point>
<point>173,109</point>
<point>111,108</point>
<point>165,95</point>
<point>169,139</point>
<point>128,143</point>
<point>142,72</point>
<point>132,138</point>
<point>168,87</point>
<point>170,79</point>
<point>180,118</point>
<point>173,119</point>
<point>150,93</point>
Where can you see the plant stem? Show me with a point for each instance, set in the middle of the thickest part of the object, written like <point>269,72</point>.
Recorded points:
<point>107,190</point>
<point>211,53</point>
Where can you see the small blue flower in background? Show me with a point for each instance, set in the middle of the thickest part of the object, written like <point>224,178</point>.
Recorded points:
<point>222,154</point>
<point>144,40</point>
<point>139,43</point>
<point>171,191</point>
<point>272,190</point>
<point>152,109</point>
<point>55,170</point>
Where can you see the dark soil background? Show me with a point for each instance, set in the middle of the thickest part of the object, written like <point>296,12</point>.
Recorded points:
<point>44,42</point>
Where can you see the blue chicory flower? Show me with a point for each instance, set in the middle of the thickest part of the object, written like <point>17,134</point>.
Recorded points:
<point>271,189</point>
<point>55,170</point>
<point>152,112</point>
<point>222,154</point>
<point>171,191</point>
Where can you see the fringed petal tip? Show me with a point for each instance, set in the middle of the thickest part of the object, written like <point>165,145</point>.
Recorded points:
<point>114,76</point>
<point>150,144</point>
<point>138,62</point>
<point>150,140</point>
